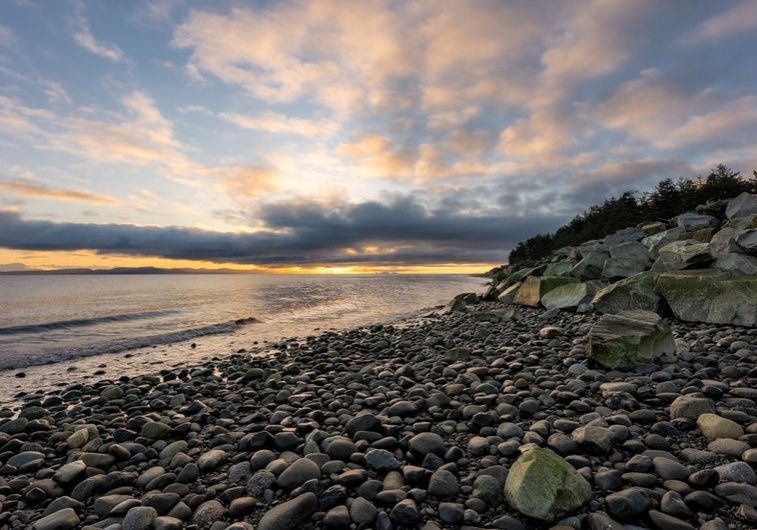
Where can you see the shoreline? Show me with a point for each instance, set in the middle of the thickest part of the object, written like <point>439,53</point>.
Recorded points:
<point>146,360</point>
<point>394,426</point>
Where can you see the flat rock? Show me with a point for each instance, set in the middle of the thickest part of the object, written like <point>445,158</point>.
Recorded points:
<point>630,337</point>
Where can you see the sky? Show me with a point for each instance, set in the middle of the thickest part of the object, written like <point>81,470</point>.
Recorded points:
<point>341,136</point>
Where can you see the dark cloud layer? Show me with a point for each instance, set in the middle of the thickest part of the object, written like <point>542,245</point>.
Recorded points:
<point>403,232</point>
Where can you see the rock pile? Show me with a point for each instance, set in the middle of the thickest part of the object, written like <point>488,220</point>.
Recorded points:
<point>700,267</point>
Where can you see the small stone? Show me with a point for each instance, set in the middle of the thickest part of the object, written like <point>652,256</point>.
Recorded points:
<point>382,460</point>
<point>691,407</point>
<point>290,514</point>
<point>299,472</point>
<point>427,442</point>
<point>443,484</point>
<point>64,519</point>
<point>207,513</point>
<point>139,518</point>
<point>714,427</point>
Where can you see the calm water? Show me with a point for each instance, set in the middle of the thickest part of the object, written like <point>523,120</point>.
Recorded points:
<point>51,319</point>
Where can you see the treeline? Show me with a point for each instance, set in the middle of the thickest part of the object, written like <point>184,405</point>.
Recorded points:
<point>668,199</point>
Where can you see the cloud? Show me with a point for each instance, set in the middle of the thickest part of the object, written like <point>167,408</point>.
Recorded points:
<point>728,24</point>
<point>6,36</point>
<point>83,37</point>
<point>273,122</point>
<point>31,189</point>
<point>301,232</point>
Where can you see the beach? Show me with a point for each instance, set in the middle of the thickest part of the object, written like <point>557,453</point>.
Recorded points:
<point>415,424</point>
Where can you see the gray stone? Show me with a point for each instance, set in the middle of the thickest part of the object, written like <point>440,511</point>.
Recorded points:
<point>742,206</point>
<point>139,518</point>
<point>747,240</point>
<point>740,472</point>
<point>710,296</point>
<point>381,460</point>
<point>210,460</point>
<point>443,484</point>
<point>737,264</point>
<point>299,472</point>
<point>691,407</point>
<point>625,339</point>
<point>590,267</point>
<point>507,296</point>
<point>692,222</point>
<point>427,442</point>
<point>684,254</point>
<point>64,519</point>
<point>635,292</point>
<point>290,514</point>
<point>207,513</point>
<point>362,511</point>
<point>568,296</point>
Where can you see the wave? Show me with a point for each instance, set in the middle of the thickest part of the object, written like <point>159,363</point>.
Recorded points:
<point>25,359</point>
<point>79,322</point>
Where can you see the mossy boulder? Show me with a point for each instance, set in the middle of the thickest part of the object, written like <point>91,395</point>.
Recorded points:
<point>522,274</point>
<point>543,485</point>
<point>630,337</point>
<point>635,292</point>
<point>590,267</point>
<point>737,264</point>
<point>685,254</point>
<point>569,296</point>
<point>710,296</point>
<point>535,287</point>
<point>559,268</point>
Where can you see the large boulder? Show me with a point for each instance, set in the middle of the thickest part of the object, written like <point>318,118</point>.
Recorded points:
<point>625,339</point>
<point>590,267</point>
<point>710,296</point>
<point>685,254</point>
<point>559,268</point>
<point>625,235</point>
<point>535,287</point>
<point>656,241</point>
<point>542,485</point>
<point>616,268</point>
<point>742,223</point>
<point>691,222</point>
<point>522,274</point>
<point>635,292</point>
<point>742,206</point>
<point>507,296</point>
<point>569,296</point>
<point>632,250</point>
<point>724,242</point>
<point>747,240</point>
<point>737,264</point>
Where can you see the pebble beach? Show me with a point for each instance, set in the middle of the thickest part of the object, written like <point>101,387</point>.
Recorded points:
<point>430,423</point>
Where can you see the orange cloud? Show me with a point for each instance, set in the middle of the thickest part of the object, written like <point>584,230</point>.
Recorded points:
<point>29,189</point>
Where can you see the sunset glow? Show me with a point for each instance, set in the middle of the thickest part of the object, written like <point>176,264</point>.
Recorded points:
<point>351,137</point>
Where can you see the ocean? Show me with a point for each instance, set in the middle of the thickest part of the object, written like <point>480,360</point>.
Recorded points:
<point>59,329</point>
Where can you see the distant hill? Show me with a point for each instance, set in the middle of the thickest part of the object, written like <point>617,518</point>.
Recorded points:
<point>124,270</point>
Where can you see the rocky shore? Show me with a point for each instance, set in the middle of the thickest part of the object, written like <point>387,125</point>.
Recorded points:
<point>492,417</point>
